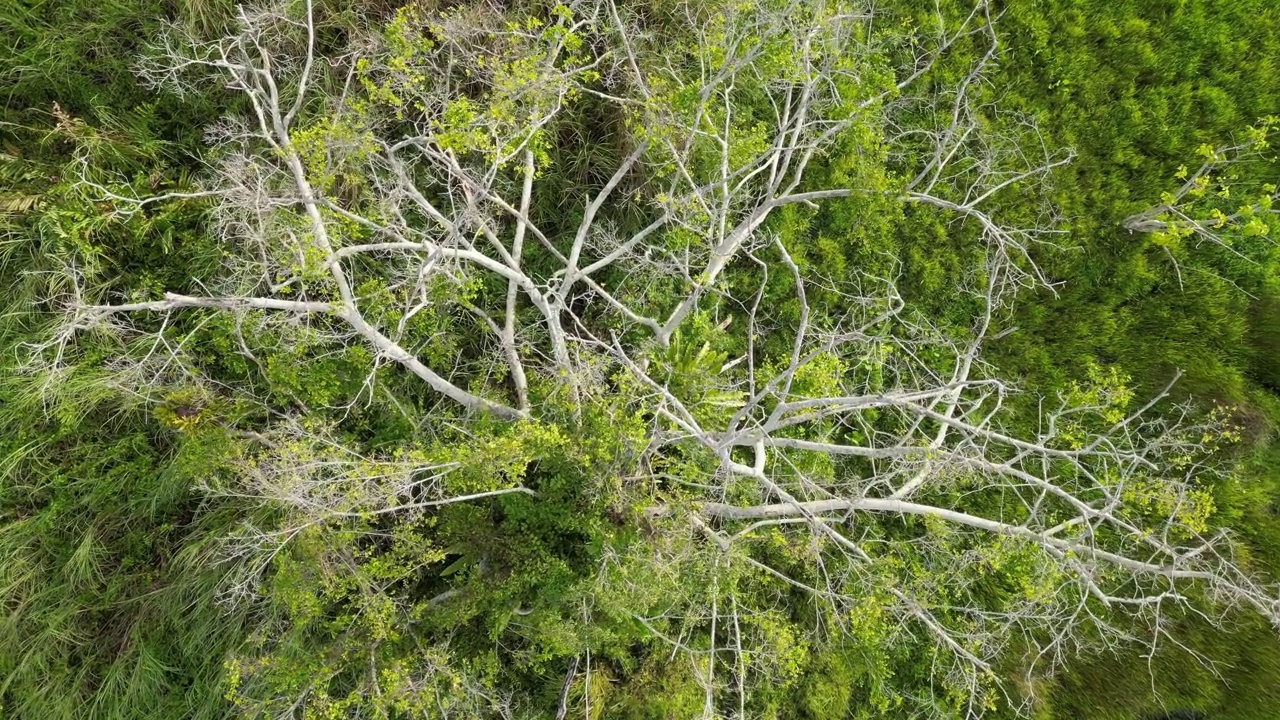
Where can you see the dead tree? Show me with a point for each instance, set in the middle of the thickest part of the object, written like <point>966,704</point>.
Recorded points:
<point>444,130</point>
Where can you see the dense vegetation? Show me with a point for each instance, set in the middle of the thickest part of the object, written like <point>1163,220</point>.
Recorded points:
<point>215,511</point>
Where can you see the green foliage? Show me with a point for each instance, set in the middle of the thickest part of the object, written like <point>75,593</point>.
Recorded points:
<point>111,559</point>
<point>1143,91</point>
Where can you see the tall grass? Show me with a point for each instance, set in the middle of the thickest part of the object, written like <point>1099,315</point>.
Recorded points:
<point>107,572</point>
